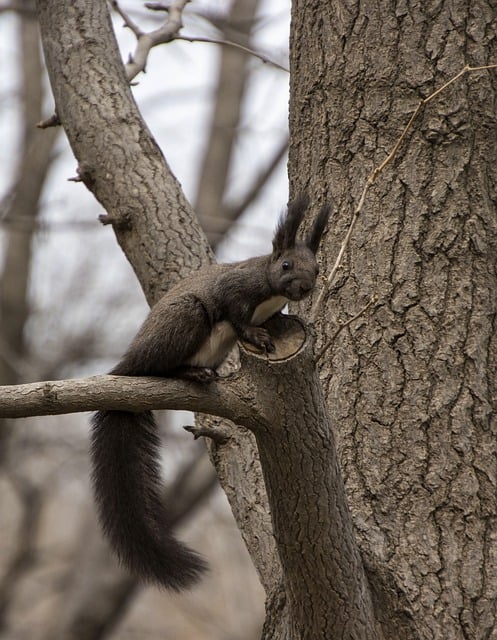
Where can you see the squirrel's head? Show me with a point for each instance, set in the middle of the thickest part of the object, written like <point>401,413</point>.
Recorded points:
<point>293,266</point>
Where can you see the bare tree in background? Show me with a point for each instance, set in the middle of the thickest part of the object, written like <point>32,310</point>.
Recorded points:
<point>391,534</point>
<point>19,216</point>
<point>214,211</point>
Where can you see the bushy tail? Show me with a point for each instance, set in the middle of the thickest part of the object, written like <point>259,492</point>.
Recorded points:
<point>127,485</point>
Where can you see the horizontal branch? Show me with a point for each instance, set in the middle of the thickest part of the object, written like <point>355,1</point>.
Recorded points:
<point>221,398</point>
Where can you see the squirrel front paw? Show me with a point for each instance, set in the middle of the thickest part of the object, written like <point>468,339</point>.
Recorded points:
<point>259,337</point>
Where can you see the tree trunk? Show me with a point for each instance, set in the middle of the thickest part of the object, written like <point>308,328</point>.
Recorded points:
<point>411,384</point>
<point>121,164</point>
<point>326,586</point>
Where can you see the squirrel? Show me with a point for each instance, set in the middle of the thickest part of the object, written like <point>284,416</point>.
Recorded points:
<point>188,334</point>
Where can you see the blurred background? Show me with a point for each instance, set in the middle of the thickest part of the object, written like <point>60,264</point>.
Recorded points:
<point>69,304</point>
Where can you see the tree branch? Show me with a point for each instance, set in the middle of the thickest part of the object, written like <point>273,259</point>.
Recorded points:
<point>230,43</point>
<point>222,398</point>
<point>297,449</point>
<point>170,31</point>
<point>146,40</point>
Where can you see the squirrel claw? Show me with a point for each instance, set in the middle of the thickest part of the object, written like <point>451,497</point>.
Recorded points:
<point>259,337</point>
<point>197,374</point>
<point>270,348</point>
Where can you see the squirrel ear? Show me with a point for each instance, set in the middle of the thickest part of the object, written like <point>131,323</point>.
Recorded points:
<point>314,237</point>
<point>286,231</point>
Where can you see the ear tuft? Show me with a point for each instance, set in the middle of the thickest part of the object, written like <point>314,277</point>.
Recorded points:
<point>314,237</point>
<point>288,225</point>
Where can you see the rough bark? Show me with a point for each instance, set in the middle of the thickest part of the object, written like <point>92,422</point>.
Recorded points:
<point>411,384</point>
<point>324,577</point>
<point>339,579</point>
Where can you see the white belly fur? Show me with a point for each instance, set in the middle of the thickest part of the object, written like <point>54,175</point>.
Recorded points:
<point>268,308</point>
<point>223,336</point>
<point>216,347</point>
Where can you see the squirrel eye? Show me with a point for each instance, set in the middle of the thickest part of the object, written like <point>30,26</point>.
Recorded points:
<point>285,265</point>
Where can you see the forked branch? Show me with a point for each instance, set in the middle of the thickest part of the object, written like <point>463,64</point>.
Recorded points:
<point>146,40</point>
<point>168,31</point>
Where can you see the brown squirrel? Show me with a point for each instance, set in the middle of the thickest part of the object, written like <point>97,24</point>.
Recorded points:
<point>188,334</point>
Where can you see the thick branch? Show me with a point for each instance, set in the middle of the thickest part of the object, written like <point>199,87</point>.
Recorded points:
<point>325,581</point>
<point>222,398</point>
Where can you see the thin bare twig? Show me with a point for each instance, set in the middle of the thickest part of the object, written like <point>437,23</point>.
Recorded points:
<point>156,6</point>
<point>338,260</point>
<point>342,326</point>
<point>127,20</point>
<point>374,174</point>
<point>230,43</point>
<point>421,104</point>
<point>52,121</point>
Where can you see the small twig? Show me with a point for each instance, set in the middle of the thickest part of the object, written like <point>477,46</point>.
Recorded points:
<point>230,43</point>
<point>52,121</point>
<point>342,326</point>
<point>127,20</point>
<point>168,31</point>
<point>216,433</point>
<point>377,170</point>
<point>421,104</point>
<point>338,261</point>
<point>374,174</point>
<point>104,218</point>
<point>146,40</point>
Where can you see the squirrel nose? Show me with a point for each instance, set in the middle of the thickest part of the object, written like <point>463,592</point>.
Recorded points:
<point>306,286</point>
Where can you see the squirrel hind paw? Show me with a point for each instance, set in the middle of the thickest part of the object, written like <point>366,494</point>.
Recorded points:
<point>197,374</point>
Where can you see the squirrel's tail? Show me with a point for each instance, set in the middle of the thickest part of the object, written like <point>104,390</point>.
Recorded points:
<point>127,485</point>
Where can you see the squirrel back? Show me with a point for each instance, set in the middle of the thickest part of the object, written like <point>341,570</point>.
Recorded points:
<point>188,334</point>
